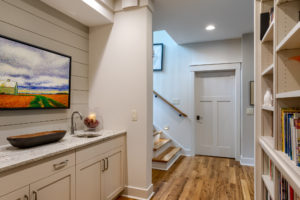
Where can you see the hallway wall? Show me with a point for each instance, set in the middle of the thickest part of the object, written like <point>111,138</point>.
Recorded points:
<point>173,83</point>
<point>247,76</point>
<point>36,23</point>
<point>120,82</point>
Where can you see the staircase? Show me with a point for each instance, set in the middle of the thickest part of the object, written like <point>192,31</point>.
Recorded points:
<point>165,153</point>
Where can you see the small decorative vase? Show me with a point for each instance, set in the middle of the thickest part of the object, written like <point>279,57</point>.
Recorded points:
<point>93,122</point>
<point>268,98</point>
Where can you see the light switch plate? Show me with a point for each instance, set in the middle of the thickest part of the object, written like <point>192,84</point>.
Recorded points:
<point>175,101</point>
<point>134,115</point>
<point>250,111</point>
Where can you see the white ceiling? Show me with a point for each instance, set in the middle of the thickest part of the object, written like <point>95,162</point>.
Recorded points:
<point>185,20</point>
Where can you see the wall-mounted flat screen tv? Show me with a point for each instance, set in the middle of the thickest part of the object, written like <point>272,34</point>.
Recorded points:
<point>32,77</point>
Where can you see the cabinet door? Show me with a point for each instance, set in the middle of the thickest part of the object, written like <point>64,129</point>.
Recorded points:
<point>60,186</point>
<point>113,176</point>
<point>88,179</point>
<point>21,194</point>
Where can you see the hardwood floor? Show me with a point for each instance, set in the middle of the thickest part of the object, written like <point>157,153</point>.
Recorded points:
<point>205,178</point>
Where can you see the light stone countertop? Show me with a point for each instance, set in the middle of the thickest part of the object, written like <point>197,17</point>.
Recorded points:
<point>11,157</point>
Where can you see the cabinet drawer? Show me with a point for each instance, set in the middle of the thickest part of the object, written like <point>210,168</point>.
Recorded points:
<point>89,152</point>
<point>35,171</point>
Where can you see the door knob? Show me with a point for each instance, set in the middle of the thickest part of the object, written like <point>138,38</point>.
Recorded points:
<point>198,117</point>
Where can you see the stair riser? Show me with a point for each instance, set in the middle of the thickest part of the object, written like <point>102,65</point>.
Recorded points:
<point>166,166</point>
<point>162,149</point>
<point>162,136</point>
<point>156,138</point>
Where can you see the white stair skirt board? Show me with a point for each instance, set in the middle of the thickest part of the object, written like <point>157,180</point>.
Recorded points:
<point>168,165</point>
<point>247,161</point>
<point>138,193</point>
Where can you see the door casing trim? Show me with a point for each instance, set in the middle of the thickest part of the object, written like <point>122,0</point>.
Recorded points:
<point>215,67</point>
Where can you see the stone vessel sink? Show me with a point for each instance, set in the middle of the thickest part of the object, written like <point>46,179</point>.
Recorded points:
<point>36,139</point>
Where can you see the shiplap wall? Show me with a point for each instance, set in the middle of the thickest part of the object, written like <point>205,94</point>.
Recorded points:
<point>36,23</point>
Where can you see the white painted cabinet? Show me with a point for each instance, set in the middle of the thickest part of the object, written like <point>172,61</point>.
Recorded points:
<point>60,186</point>
<point>94,172</point>
<point>112,180</point>
<point>21,194</point>
<point>88,179</point>
<point>102,177</point>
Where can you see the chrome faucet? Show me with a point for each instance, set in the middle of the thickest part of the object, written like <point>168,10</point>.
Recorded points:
<point>73,127</point>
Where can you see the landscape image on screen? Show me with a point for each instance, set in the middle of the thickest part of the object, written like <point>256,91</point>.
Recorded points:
<point>32,78</point>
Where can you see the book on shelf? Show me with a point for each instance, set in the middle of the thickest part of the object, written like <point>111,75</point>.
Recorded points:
<point>271,14</point>
<point>290,133</point>
<point>264,24</point>
<point>266,20</point>
<point>297,138</point>
<point>286,191</point>
<point>272,170</point>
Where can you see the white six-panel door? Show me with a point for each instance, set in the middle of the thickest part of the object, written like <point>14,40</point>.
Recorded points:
<point>215,108</point>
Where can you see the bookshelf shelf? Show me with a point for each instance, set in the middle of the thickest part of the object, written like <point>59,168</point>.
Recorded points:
<point>292,94</point>
<point>268,108</point>
<point>269,34</point>
<point>291,40</point>
<point>267,141</point>
<point>286,166</point>
<point>269,185</point>
<point>268,71</point>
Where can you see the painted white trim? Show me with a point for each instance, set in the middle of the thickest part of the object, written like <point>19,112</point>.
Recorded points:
<point>236,66</point>
<point>247,161</point>
<point>214,67</point>
<point>165,166</point>
<point>138,193</point>
<point>137,198</point>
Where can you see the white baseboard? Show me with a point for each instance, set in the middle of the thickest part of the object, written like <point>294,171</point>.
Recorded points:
<point>138,193</point>
<point>247,161</point>
<point>137,198</point>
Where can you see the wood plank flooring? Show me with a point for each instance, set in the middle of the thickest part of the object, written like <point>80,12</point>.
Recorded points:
<point>204,178</point>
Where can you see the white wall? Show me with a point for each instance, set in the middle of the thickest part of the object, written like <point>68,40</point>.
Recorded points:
<point>121,81</point>
<point>247,120</point>
<point>36,23</point>
<point>174,83</point>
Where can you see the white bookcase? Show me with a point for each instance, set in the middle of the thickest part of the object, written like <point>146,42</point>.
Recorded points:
<point>275,70</point>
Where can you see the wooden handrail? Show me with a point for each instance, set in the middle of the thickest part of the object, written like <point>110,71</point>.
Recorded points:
<point>167,102</point>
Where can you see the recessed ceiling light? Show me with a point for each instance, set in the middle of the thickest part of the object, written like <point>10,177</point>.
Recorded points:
<point>210,27</point>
